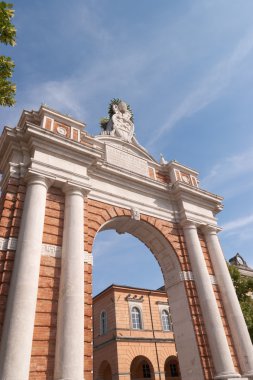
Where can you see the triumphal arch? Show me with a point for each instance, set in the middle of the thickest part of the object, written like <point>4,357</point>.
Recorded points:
<point>60,186</point>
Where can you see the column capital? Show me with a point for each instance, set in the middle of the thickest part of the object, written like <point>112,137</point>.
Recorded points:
<point>33,178</point>
<point>211,229</point>
<point>72,188</point>
<point>188,224</point>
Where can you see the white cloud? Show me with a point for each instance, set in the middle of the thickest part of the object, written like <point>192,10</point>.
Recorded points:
<point>236,224</point>
<point>232,176</point>
<point>210,88</point>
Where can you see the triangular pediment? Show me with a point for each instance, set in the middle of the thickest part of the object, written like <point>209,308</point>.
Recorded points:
<point>126,156</point>
<point>134,148</point>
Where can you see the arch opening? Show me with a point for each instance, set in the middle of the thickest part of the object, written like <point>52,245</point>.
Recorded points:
<point>141,368</point>
<point>160,243</point>
<point>105,371</point>
<point>153,239</point>
<point>171,369</point>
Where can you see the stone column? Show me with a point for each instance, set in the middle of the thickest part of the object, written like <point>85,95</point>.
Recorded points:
<point>69,357</point>
<point>232,307</point>
<point>21,304</point>
<point>221,355</point>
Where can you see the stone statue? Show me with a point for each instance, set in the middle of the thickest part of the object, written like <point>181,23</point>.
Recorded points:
<point>120,124</point>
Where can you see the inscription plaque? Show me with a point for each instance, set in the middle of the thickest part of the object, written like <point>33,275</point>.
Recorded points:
<point>126,160</point>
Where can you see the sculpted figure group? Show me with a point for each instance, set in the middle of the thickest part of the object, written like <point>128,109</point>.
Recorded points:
<point>120,124</point>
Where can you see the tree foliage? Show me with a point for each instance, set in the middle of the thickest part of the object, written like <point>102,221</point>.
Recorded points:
<point>7,37</point>
<point>244,288</point>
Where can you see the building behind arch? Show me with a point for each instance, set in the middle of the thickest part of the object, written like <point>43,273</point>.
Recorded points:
<point>133,335</point>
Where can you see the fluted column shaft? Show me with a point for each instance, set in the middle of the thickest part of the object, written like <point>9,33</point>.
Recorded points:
<point>69,359</point>
<point>221,355</point>
<point>232,307</point>
<point>21,304</point>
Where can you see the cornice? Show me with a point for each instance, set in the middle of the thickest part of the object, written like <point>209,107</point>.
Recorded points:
<point>187,189</point>
<point>177,165</point>
<point>201,197</point>
<point>44,109</point>
<point>49,137</point>
<point>102,170</point>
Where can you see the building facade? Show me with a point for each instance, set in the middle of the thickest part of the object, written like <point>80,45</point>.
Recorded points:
<point>239,262</point>
<point>133,335</point>
<point>59,188</point>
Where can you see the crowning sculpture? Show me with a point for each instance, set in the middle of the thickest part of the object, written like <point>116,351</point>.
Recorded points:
<point>120,123</point>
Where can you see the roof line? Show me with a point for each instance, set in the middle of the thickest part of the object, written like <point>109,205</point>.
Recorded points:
<point>128,287</point>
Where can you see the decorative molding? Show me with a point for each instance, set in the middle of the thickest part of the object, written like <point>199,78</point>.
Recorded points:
<point>213,279</point>
<point>3,244</point>
<point>8,244</point>
<point>88,258</point>
<point>12,244</point>
<point>135,214</point>
<point>51,250</point>
<point>189,276</point>
<point>134,299</point>
<point>48,250</point>
<point>186,276</point>
<point>17,170</point>
<point>61,130</point>
<point>162,303</point>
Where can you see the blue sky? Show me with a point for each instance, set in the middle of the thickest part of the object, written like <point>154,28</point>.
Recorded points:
<point>185,67</point>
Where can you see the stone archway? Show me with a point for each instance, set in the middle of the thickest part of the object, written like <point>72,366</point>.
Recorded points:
<point>165,242</point>
<point>141,368</point>
<point>71,185</point>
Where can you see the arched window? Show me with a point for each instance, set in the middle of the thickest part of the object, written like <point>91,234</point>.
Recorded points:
<point>141,368</point>
<point>174,370</point>
<point>103,323</point>
<point>136,318</point>
<point>171,368</point>
<point>146,370</point>
<point>166,320</point>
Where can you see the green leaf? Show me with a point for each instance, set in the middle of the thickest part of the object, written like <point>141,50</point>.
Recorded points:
<point>6,67</point>
<point>243,287</point>
<point>7,37</point>
<point>7,93</point>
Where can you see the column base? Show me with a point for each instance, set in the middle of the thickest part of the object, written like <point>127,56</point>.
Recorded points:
<point>248,375</point>
<point>69,378</point>
<point>228,376</point>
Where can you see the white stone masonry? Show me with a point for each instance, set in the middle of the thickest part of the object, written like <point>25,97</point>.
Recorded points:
<point>69,357</point>
<point>21,305</point>
<point>222,359</point>
<point>232,307</point>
